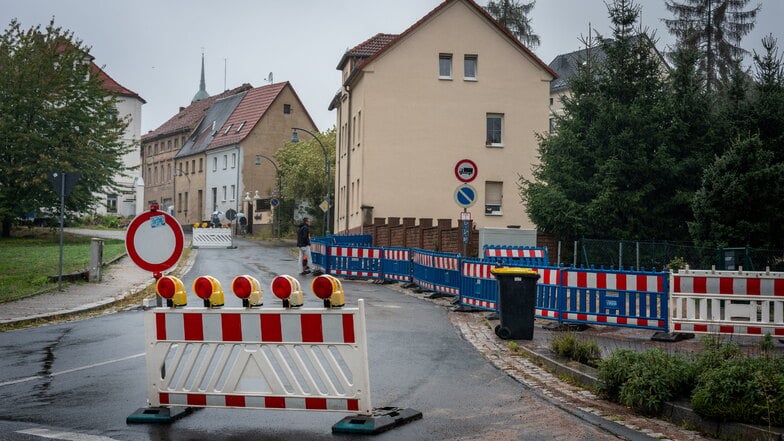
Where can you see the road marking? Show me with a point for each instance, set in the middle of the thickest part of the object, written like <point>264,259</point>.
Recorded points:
<point>68,371</point>
<point>68,436</point>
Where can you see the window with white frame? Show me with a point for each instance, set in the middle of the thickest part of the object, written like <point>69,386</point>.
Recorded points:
<point>224,194</point>
<point>233,160</point>
<point>445,66</point>
<point>215,164</point>
<point>469,67</point>
<point>233,192</point>
<point>494,191</point>
<point>495,129</point>
<point>225,161</point>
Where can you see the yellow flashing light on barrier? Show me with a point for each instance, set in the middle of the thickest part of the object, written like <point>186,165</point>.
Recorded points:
<point>329,289</point>
<point>248,289</point>
<point>288,289</point>
<point>173,290</point>
<point>210,290</point>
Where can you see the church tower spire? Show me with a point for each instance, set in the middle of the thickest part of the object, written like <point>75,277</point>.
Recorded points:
<point>202,93</point>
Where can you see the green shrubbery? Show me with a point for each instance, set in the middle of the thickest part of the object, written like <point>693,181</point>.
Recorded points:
<point>721,382</point>
<point>570,347</point>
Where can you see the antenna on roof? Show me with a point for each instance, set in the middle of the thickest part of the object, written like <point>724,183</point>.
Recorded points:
<point>224,74</point>
<point>269,78</point>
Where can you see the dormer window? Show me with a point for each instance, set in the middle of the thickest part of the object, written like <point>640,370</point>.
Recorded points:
<point>225,132</point>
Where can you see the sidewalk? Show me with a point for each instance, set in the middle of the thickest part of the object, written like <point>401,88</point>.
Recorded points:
<point>522,361</point>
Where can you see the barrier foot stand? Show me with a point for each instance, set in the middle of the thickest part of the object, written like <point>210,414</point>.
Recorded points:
<point>153,415</point>
<point>465,308</point>
<point>566,327</point>
<point>381,420</point>
<point>671,336</point>
<point>437,295</point>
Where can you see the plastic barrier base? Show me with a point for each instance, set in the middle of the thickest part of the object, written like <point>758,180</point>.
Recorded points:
<point>148,415</point>
<point>382,419</point>
<point>671,336</point>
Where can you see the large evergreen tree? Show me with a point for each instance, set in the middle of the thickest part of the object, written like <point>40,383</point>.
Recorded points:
<point>605,173</point>
<point>55,116</point>
<point>740,200</point>
<point>513,15</point>
<point>715,28</point>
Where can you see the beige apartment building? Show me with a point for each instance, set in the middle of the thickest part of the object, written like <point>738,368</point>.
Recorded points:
<point>454,86</point>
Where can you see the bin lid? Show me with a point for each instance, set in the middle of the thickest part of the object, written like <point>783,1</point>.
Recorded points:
<point>514,271</point>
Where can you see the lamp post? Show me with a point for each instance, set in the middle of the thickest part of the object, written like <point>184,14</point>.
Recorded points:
<point>279,195</point>
<point>295,138</point>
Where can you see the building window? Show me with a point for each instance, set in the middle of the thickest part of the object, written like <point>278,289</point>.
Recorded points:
<point>495,129</point>
<point>215,164</point>
<point>201,165</point>
<point>233,160</point>
<point>224,194</point>
<point>469,67</point>
<point>186,167</point>
<point>493,196</point>
<point>233,192</point>
<point>445,66</point>
<point>111,203</point>
<point>552,124</point>
<point>287,109</point>
<point>225,161</point>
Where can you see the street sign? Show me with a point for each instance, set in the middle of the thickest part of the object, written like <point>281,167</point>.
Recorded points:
<point>465,170</point>
<point>465,231</point>
<point>465,216</point>
<point>63,182</point>
<point>465,195</point>
<point>324,206</point>
<point>274,202</point>
<point>231,214</point>
<point>154,241</point>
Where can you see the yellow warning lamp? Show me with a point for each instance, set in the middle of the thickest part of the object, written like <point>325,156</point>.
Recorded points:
<point>173,290</point>
<point>248,289</point>
<point>329,289</point>
<point>209,289</point>
<point>288,289</point>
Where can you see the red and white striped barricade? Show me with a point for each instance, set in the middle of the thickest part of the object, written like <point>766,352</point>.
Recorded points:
<point>727,302</point>
<point>271,358</point>
<point>355,261</point>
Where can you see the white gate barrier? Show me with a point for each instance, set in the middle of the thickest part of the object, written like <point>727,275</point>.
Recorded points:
<point>727,302</point>
<point>211,238</point>
<point>271,358</point>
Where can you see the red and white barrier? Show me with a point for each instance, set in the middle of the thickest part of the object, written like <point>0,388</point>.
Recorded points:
<point>726,302</point>
<point>271,358</point>
<point>211,238</point>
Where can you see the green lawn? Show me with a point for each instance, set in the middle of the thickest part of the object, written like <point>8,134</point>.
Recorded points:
<point>30,256</point>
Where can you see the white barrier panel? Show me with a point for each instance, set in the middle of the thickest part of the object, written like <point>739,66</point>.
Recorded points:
<point>727,302</point>
<point>211,238</point>
<point>271,358</point>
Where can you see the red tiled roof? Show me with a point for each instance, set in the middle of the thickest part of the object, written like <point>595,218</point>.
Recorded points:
<point>367,48</point>
<point>188,118</point>
<point>247,114</point>
<point>412,28</point>
<point>111,85</point>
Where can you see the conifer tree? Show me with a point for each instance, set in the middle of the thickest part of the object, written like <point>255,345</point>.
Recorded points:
<point>513,15</point>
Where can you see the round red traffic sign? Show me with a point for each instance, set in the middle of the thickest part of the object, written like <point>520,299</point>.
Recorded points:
<point>154,241</point>
<point>465,170</point>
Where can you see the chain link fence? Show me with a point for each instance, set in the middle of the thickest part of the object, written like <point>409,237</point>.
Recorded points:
<point>660,255</point>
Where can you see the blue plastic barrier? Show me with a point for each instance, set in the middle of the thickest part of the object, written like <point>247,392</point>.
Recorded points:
<point>439,272</point>
<point>615,297</point>
<point>396,264</point>
<point>354,261</point>
<point>516,256</point>
<point>479,287</point>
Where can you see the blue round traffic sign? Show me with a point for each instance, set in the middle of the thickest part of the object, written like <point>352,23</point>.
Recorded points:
<point>465,195</point>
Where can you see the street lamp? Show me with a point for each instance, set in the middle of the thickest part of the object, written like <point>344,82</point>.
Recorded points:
<point>295,138</point>
<point>280,195</point>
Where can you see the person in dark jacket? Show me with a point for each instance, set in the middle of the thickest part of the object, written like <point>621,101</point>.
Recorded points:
<point>303,244</point>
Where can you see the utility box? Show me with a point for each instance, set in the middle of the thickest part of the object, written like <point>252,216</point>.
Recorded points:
<point>506,237</point>
<point>516,302</point>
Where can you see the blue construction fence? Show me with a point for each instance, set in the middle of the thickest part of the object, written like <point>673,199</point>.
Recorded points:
<point>616,297</point>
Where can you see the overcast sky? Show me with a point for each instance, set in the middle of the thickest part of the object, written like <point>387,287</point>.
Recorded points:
<point>154,47</point>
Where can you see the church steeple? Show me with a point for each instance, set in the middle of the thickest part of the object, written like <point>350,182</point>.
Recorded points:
<point>202,93</point>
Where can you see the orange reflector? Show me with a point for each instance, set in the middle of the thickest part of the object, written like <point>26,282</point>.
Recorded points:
<point>242,287</point>
<point>322,287</point>
<point>203,287</point>
<point>166,287</point>
<point>281,287</point>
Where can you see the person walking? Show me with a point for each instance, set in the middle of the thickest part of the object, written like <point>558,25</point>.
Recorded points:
<point>303,243</point>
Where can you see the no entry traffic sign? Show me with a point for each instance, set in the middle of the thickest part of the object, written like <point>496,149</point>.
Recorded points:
<point>465,170</point>
<point>154,241</point>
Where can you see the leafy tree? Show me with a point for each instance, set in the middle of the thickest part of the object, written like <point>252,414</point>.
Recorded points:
<point>715,28</point>
<point>513,15</point>
<point>54,116</point>
<point>303,170</point>
<point>604,173</point>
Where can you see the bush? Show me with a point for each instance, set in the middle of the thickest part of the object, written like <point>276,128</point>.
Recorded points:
<point>716,351</point>
<point>614,372</point>
<point>570,347</point>
<point>749,390</point>
<point>644,381</point>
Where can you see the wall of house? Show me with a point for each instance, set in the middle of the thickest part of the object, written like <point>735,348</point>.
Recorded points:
<point>410,128</point>
<point>271,133</point>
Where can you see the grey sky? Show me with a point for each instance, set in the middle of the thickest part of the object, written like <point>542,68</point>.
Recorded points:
<point>154,47</point>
